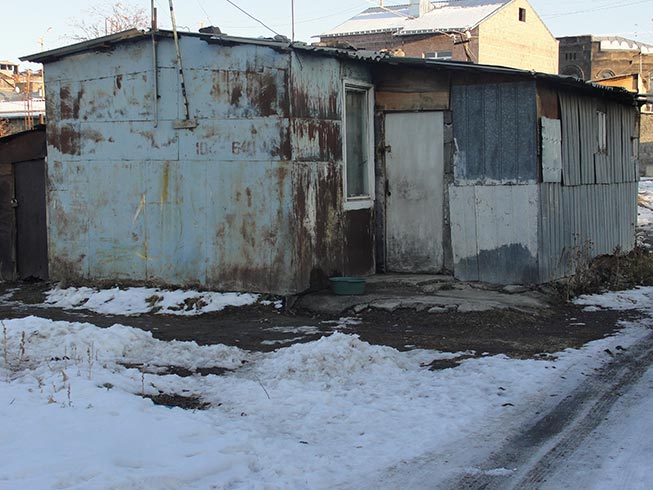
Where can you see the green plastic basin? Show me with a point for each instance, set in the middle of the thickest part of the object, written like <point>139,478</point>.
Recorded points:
<point>345,286</point>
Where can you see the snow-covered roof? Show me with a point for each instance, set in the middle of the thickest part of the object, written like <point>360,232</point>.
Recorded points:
<point>617,43</point>
<point>444,16</point>
<point>14,109</point>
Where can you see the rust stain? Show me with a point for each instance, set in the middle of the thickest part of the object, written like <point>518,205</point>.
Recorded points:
<point>93,135</point>
<point>164,184</point>
<point>69,102</point>
<point>236,94</point>
<point>65,139</point>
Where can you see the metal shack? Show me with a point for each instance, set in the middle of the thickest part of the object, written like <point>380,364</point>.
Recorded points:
<point>276,165</point>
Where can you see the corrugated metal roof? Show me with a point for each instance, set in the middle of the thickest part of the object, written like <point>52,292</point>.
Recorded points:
<point>445,16</point>
<point>362,55</point>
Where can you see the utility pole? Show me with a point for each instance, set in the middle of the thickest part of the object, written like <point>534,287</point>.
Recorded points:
<point>292,17</point>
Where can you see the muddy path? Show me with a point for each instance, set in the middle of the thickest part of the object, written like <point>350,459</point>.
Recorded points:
<point>265,328</point>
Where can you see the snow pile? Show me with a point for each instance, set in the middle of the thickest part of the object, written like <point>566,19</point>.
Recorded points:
<point>338,356</point>
<point>334,412</point>
<point>136,301</point>
<point>640,298</point>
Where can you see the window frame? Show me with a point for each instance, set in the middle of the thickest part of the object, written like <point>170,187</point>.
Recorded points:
<point>522,14</point>
<point>367,200</point>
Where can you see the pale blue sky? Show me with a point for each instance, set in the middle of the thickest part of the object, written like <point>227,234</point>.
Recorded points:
<point>24,25</point>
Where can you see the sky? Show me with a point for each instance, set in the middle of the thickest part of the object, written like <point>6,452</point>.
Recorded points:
<point>49,22</point>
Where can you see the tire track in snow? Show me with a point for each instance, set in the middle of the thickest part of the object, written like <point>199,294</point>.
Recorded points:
<point>536,451</point>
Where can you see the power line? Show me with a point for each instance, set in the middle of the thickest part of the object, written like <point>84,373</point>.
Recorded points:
<point>595,9</point>
<point>252,17</point>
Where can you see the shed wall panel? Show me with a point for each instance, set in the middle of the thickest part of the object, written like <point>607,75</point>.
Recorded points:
<point>582,222</point>
<point>488,243</point>
<point>495,130</point>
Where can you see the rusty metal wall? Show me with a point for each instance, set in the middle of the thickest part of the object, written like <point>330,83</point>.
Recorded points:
<point>495,130</point>
<point>330,241</point>
<point>250,199</point>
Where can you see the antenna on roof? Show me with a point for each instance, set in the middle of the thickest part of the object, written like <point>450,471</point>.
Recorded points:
<point>292,16</point>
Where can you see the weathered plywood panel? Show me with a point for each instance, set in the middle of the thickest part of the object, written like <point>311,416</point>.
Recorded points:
<point>412,101</point>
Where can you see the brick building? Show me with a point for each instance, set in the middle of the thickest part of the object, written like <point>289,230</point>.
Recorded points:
<point>615,61</point>
<point>493,32</point>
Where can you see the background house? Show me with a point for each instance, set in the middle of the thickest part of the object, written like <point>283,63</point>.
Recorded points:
<point>493,32</point>
<point>283,164</point>
<point>21,99</point>
<point>615,61</point>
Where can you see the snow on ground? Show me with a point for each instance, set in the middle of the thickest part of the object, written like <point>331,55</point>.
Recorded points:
<point>619,451</point>
<point>336,411</point>
<point>645,208</point>
<point>135,301</point>
<point>640,298</point>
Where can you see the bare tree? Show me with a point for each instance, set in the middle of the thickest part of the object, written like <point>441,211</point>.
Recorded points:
<point>100,21</point>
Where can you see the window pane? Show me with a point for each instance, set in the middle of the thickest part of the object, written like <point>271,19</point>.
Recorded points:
<point>357,143</point>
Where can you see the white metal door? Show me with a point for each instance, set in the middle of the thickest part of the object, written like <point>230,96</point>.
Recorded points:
<point>414,191</point>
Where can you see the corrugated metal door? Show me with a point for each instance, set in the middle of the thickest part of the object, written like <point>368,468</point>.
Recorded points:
<point>31,232</point>
<point>414,201</point>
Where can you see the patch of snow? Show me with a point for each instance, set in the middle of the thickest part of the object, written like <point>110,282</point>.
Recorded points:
<point>136,301</point>
<point>331,412</point>
<point>640,298</point>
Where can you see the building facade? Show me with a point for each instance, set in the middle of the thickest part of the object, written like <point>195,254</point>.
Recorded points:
<point>493,32</point>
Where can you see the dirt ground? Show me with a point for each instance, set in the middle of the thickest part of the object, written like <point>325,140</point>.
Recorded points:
<point>264,328</point>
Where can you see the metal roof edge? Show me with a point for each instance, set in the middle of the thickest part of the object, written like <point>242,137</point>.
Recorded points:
<point>98,42</point>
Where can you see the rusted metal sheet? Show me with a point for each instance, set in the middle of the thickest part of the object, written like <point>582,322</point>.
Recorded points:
<point>248,198</point>
<point>317,223</point>
<point>495,131</point>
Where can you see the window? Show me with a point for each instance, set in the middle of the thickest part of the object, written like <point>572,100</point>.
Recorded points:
<point>438,55</point>
<point>522,15</point>
<point>359,147</point>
